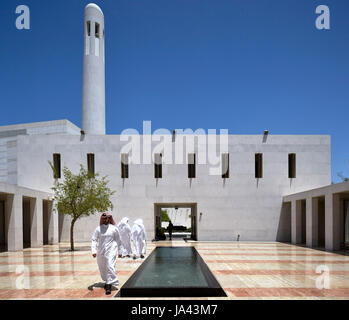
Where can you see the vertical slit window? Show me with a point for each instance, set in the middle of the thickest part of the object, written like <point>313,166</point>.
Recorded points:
<point>225,165</point>
<point>191,165</point>
<point>124,165</point>
<point>97,30</point>
<point>158,165</point>
<point>292,165</point>
<point>259,165</point>
<point>57,165</point>
<point>89,28</point>
<point>91,163</point>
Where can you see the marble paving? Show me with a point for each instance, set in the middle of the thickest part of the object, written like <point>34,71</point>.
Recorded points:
<point>245,270</point>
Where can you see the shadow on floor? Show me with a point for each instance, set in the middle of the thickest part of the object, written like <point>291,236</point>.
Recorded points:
<point>85,248</point>
<point>117,295</point>
<point>101,285</point>
<point>26,245</point>
<point>175,237</point>
<point>343,252</point>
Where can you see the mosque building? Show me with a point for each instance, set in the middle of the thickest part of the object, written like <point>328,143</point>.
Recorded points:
<point>263,188</point>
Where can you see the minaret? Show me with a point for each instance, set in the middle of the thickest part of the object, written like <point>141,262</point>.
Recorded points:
<point>93,85</point>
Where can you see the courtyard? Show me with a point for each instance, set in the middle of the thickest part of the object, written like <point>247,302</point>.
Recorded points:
<point>245,270</point>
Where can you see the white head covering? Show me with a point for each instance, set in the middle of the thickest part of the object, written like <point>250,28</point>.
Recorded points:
<point>139,222</point>
<point>123,221</point>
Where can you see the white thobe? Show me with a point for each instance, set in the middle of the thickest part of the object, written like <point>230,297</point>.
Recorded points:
<point>105,242</point>
<point>125,237</point>
<point>138,235</point>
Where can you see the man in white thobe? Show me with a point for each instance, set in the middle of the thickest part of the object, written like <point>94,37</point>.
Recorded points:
<point>105,243</point>
<point>125,236</point>
<point>139,236</point>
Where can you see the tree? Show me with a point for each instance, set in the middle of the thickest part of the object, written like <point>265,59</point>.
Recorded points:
<point>164,216</point>
<point>81,195</point>
<point>340,174</point>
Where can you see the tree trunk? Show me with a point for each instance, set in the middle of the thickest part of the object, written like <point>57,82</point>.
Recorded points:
<point>72,234</point>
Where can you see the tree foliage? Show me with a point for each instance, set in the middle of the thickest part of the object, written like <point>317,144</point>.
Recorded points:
<point>81,195</point>
<point>340,174</point>
<point>164,216</point>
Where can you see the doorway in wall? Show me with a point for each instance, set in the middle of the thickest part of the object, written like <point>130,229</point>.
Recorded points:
<point>45,221</point>
<point>303,223</point>
<point>2,227</point>
<point>183,217</point>
<point>321,223</point>
<point>346,223</point>
<point>26,223</point>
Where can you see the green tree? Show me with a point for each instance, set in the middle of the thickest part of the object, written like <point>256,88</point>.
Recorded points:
<point>81,195</point>
<point>164,216</point>
<point>340,174</point>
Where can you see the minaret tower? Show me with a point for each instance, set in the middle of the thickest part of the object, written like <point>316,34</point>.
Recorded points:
<point>93,85</point>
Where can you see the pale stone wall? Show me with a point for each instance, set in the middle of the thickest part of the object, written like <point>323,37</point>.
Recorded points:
<point>8,142</point>
<point>241,205</point>
<point>334,197</point>
<point>23,217</point>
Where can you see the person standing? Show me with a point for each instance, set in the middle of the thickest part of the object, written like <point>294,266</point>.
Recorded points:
<point>125,237</point>
<point>139,236</point>
<point>170,229</point>
<point>105,243</point>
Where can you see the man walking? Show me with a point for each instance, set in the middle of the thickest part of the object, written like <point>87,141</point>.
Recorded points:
<point>139,237</point>
<point>105,243</point>
<point>125,235</point>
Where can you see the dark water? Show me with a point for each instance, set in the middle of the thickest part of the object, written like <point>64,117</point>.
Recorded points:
<point>172,267</point>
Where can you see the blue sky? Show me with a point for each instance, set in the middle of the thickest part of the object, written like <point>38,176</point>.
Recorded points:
<point>242,65</point>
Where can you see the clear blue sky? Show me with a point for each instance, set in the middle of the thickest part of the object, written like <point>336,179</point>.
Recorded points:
<point>243,65</point>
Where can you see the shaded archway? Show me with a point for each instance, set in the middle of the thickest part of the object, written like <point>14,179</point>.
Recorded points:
<point>303,238</point>
<point>346,224</point>
<point>192,216</point>
<point>45,222</point>
<point>321,223</point>
<point>3,237</point>
<point>27,222</point>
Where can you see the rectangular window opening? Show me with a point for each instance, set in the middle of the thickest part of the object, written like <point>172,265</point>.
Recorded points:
<point>97,30</point>
<point>91,163</point>
<point>191,165</point>
<point>259,165</point>
<point>292,165</point>
<point>89,28</point>
<point>124,165</point>
<point>225,165</point>
<point>57,165</point>
<point>158,165</point>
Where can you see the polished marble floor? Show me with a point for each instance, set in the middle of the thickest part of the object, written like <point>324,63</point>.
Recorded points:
<point>245,270</point>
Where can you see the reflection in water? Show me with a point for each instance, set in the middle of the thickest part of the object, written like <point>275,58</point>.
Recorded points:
<point>172,267</point>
